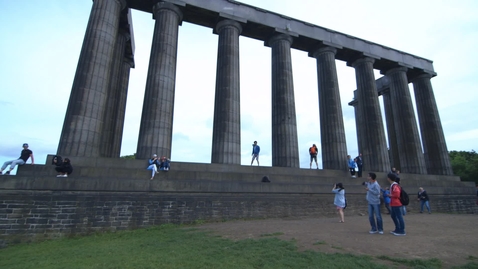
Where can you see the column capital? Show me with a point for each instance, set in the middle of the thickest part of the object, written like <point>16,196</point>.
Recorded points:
<point>327,49</point>
<point>278,37</point>
<point>421,76</point>
<point>227,23</point>
<point>362,61</point>
<point>163,5</point>
<point>396,70</point>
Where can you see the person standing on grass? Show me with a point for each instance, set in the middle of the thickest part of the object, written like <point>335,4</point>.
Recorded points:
<point>339,200</point>
<point>24,156</point>
<point>396,206</point>
<point>373,199</point>
<point>423,198</point>
<point>386,198</point>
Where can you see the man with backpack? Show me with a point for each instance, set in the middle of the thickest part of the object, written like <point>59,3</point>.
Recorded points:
<point>313,155</point>
<point>396,206</point>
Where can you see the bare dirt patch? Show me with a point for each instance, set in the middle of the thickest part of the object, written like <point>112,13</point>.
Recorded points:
<point>451,238</point>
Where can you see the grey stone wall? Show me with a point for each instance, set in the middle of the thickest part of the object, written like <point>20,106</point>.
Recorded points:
<point>27,216</point>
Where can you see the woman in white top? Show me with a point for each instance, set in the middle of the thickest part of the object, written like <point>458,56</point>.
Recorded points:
<point>339,200</point>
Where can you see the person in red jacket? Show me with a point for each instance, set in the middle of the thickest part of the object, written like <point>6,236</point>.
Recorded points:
<point>396,206</point>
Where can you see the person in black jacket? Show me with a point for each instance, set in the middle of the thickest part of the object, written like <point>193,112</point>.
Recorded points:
<point>64,169</point>
<point>423,198</point>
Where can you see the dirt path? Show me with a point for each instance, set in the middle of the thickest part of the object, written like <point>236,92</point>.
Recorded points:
<point>450,238</point>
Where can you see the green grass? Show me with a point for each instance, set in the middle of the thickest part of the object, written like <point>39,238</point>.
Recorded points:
<point>414,263</point>
<point>272,234</point>
<point>169,246</point>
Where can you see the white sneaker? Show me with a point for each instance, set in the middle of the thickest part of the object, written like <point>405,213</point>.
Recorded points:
<point>65,175</point>
<point>353,176</point>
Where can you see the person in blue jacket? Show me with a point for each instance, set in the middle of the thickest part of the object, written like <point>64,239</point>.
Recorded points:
<point>386,198</point>
<point>351,165</point>
<point>255,152</point>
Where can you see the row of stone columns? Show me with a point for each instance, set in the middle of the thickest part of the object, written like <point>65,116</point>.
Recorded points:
<point>405,150</point>
<point>94,121</point>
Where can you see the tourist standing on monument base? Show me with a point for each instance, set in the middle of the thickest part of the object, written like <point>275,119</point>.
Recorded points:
<point>351,165</point>
<point>339,200</point>
<point>255,152</point>
<point>359,162</point>
<point>396,206</point>
<point>423,198</point>
<point>313,155</point>
<point>373,199</point>
<point>24,156</point>
<point>153,165</point>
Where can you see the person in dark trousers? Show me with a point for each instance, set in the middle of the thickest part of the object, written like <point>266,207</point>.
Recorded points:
<point>359,162</point>
<point>396,206</point>
<point>313,155</point>
<point>424,200</point>
<point>24,156</point>
<point>64,169</point>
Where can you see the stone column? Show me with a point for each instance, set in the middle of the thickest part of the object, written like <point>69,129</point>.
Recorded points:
<point>332,132</point>
<point>83,123</point>
<point>285,152</point>
<point>120,115</point>
<point>393,150</point>
<point>374,151</point>
<point>408,140</point>
<point>358,125</point>
<point>112,105</point>
<point>436,153</point>
<point>226,136</point>
<point>156,129</point>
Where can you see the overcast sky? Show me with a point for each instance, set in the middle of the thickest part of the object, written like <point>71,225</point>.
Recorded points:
<point>41,40</point>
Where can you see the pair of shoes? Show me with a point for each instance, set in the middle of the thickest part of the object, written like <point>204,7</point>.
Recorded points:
<point>380,232</point>
<point>65,175</point>
<point>429,212</point>
<point>7,173</point>
<point>353,176</point>
<point>392,232</point>
<point>372,232</point>
<point>59,175</point>
<point>421,212</point>
<point>341,221</point>
<point>399,234</point>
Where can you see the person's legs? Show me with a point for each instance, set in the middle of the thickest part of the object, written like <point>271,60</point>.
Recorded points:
<point>393,214</point>
<point>387,206</point>
<point>379,218</point>
<point>421,205</point>
<point>404,210</point>
<point>359,173</point>
<point>427,204</point>
<point>371,219</point>
<point>400,229</point>
<point>15,163</point>
<point>341,214</point>
<point>5,164</point>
